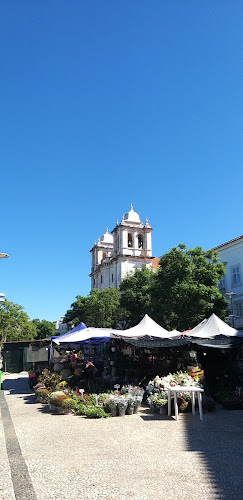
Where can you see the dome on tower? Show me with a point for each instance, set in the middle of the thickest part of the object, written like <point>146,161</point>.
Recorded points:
<point>132,216</point>
<point>106,237</point>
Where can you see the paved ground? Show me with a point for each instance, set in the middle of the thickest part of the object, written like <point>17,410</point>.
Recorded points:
<point>138,457</point>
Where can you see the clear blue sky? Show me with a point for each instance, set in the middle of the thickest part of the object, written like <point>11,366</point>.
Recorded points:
<point>104,103</point>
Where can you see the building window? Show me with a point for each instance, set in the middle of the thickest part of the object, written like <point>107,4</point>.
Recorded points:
<point>101,279</point>
<point>238,309</point>
<point>222,283</point>
<point>112,277</point>
<point>104,255</point>
<point>235,275</point>
<point>130,240</point>
<point>140,241</point>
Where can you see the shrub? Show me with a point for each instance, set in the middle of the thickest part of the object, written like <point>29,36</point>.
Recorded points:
<point>69,404</point>
<point>55,394</point>
<point>59,400</point>
<point>81,409</point>
<point>49,379</point>
<point>96,412</point>
<point>89,399</point>
<point>43,394</point>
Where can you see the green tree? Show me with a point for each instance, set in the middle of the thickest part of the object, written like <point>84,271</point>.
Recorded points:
<point>135,295</point>
<point>44,328</point>
<point>15,323</point>
<point>76,313</point>
<point>99,309</point>
<point>185,288</point>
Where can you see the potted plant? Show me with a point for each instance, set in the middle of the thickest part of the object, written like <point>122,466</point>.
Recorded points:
<point>138,401</point>
<point>56,398</point>
<point>112,406</point>
<point>42,395</point>
<point>131,401</point>
<point>68,405</point>
<point>122,406</point>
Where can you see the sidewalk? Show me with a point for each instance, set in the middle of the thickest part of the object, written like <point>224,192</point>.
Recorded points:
<point>135,457</point>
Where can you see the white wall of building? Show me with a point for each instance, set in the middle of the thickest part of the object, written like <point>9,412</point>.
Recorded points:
<point>231,254</point>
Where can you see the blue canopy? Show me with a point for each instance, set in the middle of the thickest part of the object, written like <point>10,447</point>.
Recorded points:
<point>78,328</point>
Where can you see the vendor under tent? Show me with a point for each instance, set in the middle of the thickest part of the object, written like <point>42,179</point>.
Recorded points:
<point>146,329</point>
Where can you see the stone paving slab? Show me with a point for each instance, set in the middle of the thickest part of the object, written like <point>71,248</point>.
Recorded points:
<point>6,487</point>
<point>136,457</point>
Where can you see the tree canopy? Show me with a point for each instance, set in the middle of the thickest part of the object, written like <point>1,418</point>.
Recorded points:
<point>15,323</point>
<point>181,293</point>
<point>185,291</point>
<point>44,329</point>
<point>99,309</point>
<point>135,298</point>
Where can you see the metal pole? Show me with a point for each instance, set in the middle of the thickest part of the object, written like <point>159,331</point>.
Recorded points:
<point>232,312</point>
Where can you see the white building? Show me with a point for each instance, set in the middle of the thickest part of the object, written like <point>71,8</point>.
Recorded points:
<point>60,326</point>
<point>231,254</point>
<point>118,254</point>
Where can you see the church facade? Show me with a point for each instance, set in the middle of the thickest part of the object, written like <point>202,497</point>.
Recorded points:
<point>118,254</point>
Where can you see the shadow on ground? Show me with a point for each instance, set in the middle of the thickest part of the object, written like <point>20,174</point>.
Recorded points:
<point>219,441</point>
<point>18,385</point>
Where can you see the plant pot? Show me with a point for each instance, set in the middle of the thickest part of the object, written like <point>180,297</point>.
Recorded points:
<point>39,399</point>
<point>114,412</point>
<point>152,407</point>
<point>52,407</point>
<point>122,411</point>
<point>130,410</point>
<point>163,410</point>
<point>135,410</point>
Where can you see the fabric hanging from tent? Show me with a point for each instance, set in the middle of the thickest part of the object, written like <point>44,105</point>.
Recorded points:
<point>153,344</point>
<point>219,342</point>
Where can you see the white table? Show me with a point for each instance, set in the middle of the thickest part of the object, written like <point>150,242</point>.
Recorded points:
<point>181,388</point>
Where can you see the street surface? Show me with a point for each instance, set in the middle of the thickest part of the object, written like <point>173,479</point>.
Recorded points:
<point>138,457</point>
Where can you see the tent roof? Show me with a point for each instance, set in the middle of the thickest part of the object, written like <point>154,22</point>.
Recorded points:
<point>146,328</point>
<point>84,334</point>
<point>78,328</point>
<point>213,326</point>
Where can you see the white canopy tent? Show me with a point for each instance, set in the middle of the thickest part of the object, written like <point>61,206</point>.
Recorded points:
<point>147,328</point>
<point>212,327</point>
<point>84,334</point>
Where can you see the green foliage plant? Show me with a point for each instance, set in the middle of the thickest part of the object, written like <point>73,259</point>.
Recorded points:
<point>43,394</point>
<point>81,409</point>
<point>96,412</point>
<point>49,379</point>
<point>69,404</point>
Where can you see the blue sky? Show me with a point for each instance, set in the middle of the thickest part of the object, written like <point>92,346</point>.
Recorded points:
<point>108,103</point>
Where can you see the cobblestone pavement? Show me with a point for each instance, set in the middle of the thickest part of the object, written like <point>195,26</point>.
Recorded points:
<point>138,457</point>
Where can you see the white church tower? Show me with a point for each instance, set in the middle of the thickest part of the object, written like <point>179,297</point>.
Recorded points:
<point>118,254</point>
